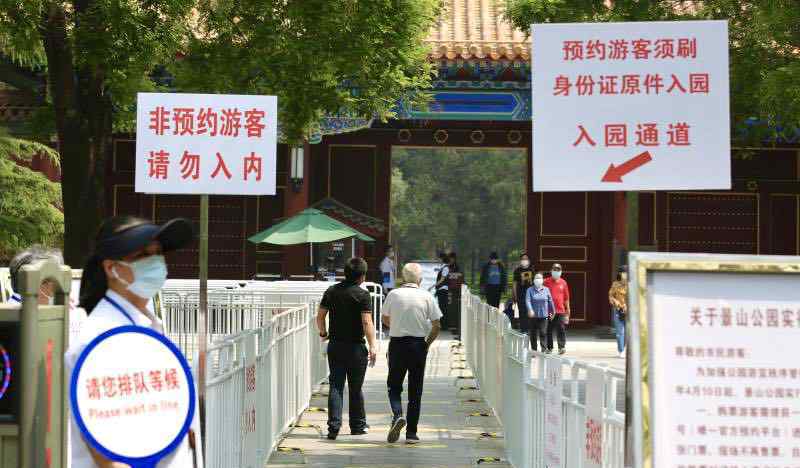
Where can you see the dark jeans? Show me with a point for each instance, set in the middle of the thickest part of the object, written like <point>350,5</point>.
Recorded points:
<point>560,328</point>
<point>347,360</point>
<point>454,314</point>
<point>522,309</point>
<point>443,296</point>
<point>493,292</point>
<point>538,333</point>
<point>524,321</point>
<point>407,354</point>
<point>619,329</point>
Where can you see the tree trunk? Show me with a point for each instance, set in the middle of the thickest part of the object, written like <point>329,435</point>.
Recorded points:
<point>83,123</point>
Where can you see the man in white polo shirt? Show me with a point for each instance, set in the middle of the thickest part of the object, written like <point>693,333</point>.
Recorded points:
<point>413,318</point>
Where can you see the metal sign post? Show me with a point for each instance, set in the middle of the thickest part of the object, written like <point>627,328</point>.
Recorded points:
<point>202,314</point>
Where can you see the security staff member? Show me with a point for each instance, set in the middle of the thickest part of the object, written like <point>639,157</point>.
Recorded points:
<point>125,271</point>
<point>350,309</point>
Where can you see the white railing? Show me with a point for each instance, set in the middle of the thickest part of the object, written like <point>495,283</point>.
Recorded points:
<point>269,328</point>
<point>259,382</point>
<point>512,380</point>
<point>233,309</point>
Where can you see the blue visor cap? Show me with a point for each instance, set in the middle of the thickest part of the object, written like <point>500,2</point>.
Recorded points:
<point>172,235</point>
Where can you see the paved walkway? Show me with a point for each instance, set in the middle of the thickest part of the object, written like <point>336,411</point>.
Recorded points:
<point>451,429</point>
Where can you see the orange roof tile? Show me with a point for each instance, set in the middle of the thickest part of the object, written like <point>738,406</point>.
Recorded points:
<point>477,29</point>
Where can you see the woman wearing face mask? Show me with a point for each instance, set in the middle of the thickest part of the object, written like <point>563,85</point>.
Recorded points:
<point>540,309</point>
<point>125,271</point>
<point>559,289</point>
<point>618,298</point>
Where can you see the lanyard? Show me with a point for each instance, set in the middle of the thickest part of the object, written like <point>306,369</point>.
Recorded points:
<point>119,308</point>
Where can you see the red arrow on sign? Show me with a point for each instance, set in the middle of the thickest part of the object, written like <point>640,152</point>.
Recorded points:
<point>615,173</point>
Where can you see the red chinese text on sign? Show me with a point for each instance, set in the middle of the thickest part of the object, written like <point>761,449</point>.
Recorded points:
<point>159,120</point>
<point>221,167</point>
<point>190,166</point>
<point>252,163</point>
<point>159,164</point>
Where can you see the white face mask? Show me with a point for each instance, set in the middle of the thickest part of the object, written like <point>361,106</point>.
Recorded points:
<point>555,274</point>
<point>538,282</point>
<point>525,263</point>
<point>149,276</point>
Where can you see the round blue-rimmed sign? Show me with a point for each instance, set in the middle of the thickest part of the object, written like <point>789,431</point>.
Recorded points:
<point>125,393</point>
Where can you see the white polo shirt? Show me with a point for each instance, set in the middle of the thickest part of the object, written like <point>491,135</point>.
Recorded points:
<point>411,311</point>
<point>104,317</point>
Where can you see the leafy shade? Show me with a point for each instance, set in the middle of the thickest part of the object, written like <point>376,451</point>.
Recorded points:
<point>318,56</point>
<point>464,199</point>
<point>95,55</point>
<point>29,202</point>
<point>764,47</point>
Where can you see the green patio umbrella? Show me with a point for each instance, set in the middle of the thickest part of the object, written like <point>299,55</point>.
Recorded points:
<point>308,227</point>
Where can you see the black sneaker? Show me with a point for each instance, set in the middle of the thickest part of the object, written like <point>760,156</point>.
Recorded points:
<point>548,351</point>
<point>412,439</point>
<point>360,431</point>
<point>396,429</point>
<point>332,435</point>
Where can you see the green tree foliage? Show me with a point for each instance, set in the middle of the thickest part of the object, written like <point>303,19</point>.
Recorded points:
<point>29,202</point>
<point>463,199</point>
<point>97,55</point>
<point>317,56</point>
<point>764,46</point>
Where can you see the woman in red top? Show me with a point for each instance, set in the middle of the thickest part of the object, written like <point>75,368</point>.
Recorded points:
<point>559,290</point>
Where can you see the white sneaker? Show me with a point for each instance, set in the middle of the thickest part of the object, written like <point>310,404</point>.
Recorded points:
<point>621,355</point>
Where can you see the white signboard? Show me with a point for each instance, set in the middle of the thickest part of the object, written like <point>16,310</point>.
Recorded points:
<point>553,416</point>
<point>631,106</point>
<point>726,379</point>
<point>149,392</point>
<point>593,446</point>
<point>206,144</point>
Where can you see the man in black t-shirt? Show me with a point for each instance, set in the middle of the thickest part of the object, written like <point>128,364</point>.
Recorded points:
<point>523,279</point>
<point>350,309</point>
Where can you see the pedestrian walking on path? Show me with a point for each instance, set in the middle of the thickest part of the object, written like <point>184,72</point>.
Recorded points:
<point>523,279</point>
<point>350,310</point>
<point>559,289</point>
<point>442,288</point>
<point>618,298</point>
<point>541,309</point>
<point>413,317</point>
<point>125,271</point>
<point>493,280</point>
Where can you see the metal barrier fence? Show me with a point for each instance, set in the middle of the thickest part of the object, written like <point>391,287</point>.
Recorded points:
<point>498,354</point>
<point>259,382</point>
<point>233,309</point>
